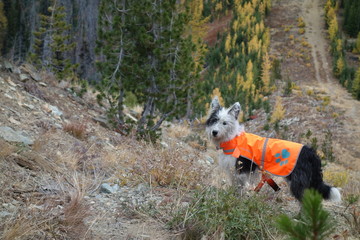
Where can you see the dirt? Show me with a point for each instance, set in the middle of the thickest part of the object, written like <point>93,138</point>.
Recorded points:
<point>315,72</point>
<point>216,28</point>
<point>348,142</point>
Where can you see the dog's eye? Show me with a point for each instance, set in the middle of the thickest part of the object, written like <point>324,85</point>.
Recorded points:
<point>224,123</point>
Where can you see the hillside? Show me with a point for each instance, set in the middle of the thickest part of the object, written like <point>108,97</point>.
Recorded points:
<point>67,175</point>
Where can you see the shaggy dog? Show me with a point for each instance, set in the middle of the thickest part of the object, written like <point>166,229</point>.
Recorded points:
<point>223,128</point>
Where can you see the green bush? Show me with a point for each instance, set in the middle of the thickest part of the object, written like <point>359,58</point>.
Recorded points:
<point>223,213</point>
<point>313,222</point>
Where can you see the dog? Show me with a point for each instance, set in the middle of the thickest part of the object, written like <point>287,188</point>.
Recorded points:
<point>299,164</point>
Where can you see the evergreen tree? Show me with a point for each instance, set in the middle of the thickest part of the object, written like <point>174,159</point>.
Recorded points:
<point>154,60</point>
<point>356,84</point>
<point>3,26</point>
<point>352,17</point>
<point>357,44</point>
<point>60,43</point>
<point>36,56</point>
<point>54,27</point>
<point>314,222</point>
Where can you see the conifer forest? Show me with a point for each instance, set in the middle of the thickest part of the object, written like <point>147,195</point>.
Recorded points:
<point>103,107</point>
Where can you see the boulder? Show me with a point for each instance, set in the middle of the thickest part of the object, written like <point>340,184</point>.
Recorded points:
<point>10,135</point>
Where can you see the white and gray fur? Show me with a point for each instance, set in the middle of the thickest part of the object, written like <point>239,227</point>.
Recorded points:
<point>222,125</point>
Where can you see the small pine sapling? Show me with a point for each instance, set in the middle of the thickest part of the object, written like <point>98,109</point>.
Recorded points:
<point>313,223</point>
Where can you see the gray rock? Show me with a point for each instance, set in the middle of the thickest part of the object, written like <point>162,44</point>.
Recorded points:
<point>11,135</point>
<point>164,144</point>
<point>102,121</point>
<point>8,65</point>
<point>55,111</point>
<point>24,77</point>
<point>209,160</point>
<point>4,214</point>
<point>29,69</point>
<point>106,188</point>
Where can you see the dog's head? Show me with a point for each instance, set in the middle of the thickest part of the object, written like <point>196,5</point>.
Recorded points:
<point>222,124</point>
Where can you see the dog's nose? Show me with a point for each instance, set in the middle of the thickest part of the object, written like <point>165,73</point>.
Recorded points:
<point>214,133</point>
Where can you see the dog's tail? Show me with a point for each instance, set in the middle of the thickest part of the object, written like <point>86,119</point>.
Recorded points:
<point>328,192</point>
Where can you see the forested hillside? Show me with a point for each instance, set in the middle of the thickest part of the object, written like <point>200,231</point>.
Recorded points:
<point>104,103</point>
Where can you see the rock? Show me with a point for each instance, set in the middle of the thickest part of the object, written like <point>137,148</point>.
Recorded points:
<point>31,71</point>
<point>106,188</point>
<point>102,121</point>
<point>55,111</point>
<point>4,214</point>
<point>29,106</point>
<point>8,96</point>
<point>289,121</point>
<point>209,160</point>
<point>8,65</point>
<point>11,135</point>
<point>11,83</point>
<point>164,144</point>
<point>13,121</point>
<point>24,77</point>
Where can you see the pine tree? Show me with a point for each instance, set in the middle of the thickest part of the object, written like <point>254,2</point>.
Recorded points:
<point>36,57</point>
<point>314,222</point>
<point>143,42</point>
<point>3,26</point>
<point>357,44</point>
<point>60,43</point>
<point>352,17</point>
<point>54,27</point>
<point>356,84</point>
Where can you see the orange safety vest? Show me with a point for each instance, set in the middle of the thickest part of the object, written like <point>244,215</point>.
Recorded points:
<point>275,156</point>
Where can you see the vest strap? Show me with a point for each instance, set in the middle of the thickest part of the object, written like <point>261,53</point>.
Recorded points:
<point>268,180</point>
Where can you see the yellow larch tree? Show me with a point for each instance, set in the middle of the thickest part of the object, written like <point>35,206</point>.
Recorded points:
<point>249,75</point>
<point>265,74</point>
<point>216,92</point>
<point>279,111</point>
<point>340,64</point>
<point>253,45</point>
<point>333,28</point>
<point>356,84</point>
<point>228,43</point>
<point>197,28</point>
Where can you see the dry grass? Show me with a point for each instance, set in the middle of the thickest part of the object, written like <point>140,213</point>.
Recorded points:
<point>177,165</point>
<point>5,149</point>
<point>336,178</point>
<point>178,131</point>
<point>78,130</point>
<point>75,209</point>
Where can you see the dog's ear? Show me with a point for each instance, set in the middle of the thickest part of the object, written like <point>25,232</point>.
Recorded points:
<point>234,110</point>
<point>215,105</point>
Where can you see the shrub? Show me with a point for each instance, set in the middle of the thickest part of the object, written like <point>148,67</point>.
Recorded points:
<point>313,223</point>
<point>78,130</point>
<point>336,178</point>
<point>223,214</point>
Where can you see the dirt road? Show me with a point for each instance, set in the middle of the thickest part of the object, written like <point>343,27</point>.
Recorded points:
<point>349,141</point>
<point>310,67</point>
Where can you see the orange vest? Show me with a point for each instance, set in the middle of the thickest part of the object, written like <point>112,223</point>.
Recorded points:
<point>275,156</point>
